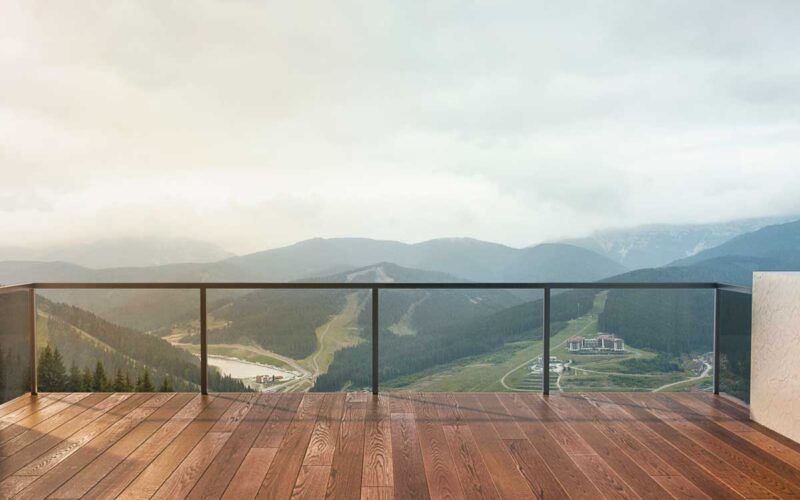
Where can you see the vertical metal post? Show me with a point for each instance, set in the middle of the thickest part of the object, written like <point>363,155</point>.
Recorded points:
<point>717,300</point>
<point>32,313</point>
<point>203,344</point>
<point>375,350</point>
<point>546,342</point>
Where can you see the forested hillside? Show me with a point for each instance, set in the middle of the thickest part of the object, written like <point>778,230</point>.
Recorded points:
<point>285,321</point>
<point>404,355</point>
<point>84,339</point>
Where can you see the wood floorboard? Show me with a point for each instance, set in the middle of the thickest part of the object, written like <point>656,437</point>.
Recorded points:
<point>393,446</point>
<point>83,481</point>
<point>347,468</point>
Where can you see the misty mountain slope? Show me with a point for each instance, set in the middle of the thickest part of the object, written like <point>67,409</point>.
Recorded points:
<point>140,309</point>
<point>285,321</point>
<point>659,244</point>
<point>779,242</point>
<point>461,257</point>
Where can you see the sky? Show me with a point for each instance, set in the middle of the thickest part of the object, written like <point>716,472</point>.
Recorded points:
<point>258,124</point>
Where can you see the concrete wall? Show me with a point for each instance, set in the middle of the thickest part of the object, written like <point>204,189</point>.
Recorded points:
<point>775,362</point>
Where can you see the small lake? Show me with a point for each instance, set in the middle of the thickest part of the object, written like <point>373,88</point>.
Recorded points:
<point>237,368</point>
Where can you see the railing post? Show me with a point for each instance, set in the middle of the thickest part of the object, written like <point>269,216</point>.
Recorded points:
<point>717,300</point>
<point>32,313</point>
<point>203,344</point>
<point>546,342</point>
<point>375,350</point>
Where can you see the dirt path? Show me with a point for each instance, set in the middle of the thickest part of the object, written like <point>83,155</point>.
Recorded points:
<point>692,379</point>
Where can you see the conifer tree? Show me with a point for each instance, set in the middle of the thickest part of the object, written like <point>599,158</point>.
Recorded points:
<point>50,371</point>
<point>87,380</point>
<point>143,383</point>
<point>75,378</point>
<point>119,382</point>
<point>128,383</point>
<point>100,381</point>
<point>166,385</point>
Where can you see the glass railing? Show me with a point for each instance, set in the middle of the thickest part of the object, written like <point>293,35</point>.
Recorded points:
<point>733,344</point>
<point>15,343</point>
<point>390,336</point>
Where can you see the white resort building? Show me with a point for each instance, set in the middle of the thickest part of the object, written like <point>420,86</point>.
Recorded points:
<point>604,343</point>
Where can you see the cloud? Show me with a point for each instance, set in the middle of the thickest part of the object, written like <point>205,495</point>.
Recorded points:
<point>255,124</point>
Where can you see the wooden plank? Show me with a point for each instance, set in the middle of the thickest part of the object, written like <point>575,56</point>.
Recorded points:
<point>507,478</point>
<point>408,470</point>
<point>377,493</point>
<point>273,432</point>
<point>16,403</point>
<point>14,484</point>
<point>183,479</point>
<point>534,468</point>
<point>311,481</point>
<point>699,476</point>
<point>604,477</point>
<point>699,407</point>
<point>742,414</point>
<point>348,457</point>
<point>124,473</point>
<point>250,475</point>
<point>681,488</point>
<point>93,473</point>
<point>773,447</point>
<point>80,458</point>
<point>36,406</point>
<point>618,432</point>
<point>31,452</point>
<point>727,475</point>
<point>400,402</point>
<point>503,423</point>
<point>40,416</point>
<point>326,431</point>
<point>440,469</point>
<point>561,432</point>
<point>44,428</point>
<point>377,468</point>
<point>476,481</point>
<point>447,406</point>
<point>215,479</point>
<point>572,409</point>
<point>559,462</point>
<point>157,471</point>
<point>281,476</point>
<point>754,461</point>
<point>66,448</point>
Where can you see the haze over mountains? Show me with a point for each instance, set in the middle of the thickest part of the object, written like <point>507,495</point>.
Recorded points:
<point>122,252</point>
<point>659,244</point>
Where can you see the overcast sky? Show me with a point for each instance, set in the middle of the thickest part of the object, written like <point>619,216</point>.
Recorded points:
<point>257,124</point>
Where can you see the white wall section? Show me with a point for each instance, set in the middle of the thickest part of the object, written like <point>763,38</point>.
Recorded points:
<point>775,362</point>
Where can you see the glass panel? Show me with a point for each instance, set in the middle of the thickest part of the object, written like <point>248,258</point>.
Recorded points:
<point>14,344</point>
<point>734,343</point>
<point>639,340</point>
<point>459,340</point>
<point>116,340</point>
<point>288,340</point>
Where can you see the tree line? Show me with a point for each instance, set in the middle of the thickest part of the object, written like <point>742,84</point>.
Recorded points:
<point>53,376</point>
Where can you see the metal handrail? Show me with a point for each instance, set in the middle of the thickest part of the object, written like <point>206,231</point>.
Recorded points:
<point>546,288</point>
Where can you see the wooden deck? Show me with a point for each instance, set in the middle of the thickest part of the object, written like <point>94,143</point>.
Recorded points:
<point>395,446</point>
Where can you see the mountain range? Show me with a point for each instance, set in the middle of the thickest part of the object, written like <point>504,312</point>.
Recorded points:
<point>657,245</point>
